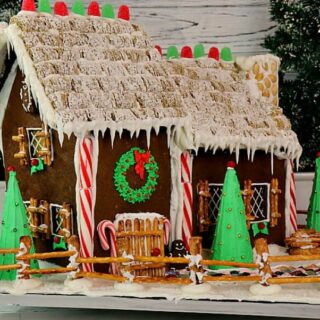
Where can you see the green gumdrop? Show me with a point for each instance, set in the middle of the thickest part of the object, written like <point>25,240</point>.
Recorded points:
<point>44,6</point>
<point>226,54</point>
<point>107,11</point>
<point>172,53</point>
<point>78,8</point>
<point>198,51</point>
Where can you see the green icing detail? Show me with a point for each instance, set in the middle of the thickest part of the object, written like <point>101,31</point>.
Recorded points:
<point>198,51</point>
<point>78,8</point>
<point>256,230</point>
<point>59,245</point>
<point>226,54</point>
<point>107,11</point>
<point>122,186</point>
<point>172,53</point>
<point>39,167</point>
<point>44,6</point>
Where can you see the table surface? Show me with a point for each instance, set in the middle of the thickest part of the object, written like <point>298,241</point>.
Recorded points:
<point>33,306</point>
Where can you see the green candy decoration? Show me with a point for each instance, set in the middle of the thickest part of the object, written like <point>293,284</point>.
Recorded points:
<point>59,243</point>
<point>38,166</point>
<point>198,51</point>
<point>226,54</point>
<point>107,11</point>
<point>260,227</point>
<point>78,8</point>
<point>313,219</point>
<point>231,241</point>
<point>172,53</point>
<point>14,225</point>
<point>150,167</point>
<point>44,6</point>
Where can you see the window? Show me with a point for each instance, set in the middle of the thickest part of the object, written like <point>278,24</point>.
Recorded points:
<point>61,220</point>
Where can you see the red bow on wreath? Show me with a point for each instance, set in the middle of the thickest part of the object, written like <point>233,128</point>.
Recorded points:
<point>141,159</point>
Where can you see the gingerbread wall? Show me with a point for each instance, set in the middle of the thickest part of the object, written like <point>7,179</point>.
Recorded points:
<point>55,184</point>
<point>213,167</point>
<point>109,202</point>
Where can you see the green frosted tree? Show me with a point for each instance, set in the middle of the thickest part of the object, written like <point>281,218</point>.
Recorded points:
<point>14,225</point>
<point>231,241</point>
<point>313,220</point>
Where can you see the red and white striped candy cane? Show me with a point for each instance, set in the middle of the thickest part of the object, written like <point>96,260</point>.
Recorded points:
<point>102,228</point>
<point>86,215</point>
<point>167,227</point>
<point>186,165</point>
<point>293,204</point>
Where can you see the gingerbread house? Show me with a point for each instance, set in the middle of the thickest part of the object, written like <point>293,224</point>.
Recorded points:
<point>107,126</point>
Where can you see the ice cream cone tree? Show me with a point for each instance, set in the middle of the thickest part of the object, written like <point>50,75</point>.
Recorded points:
<point>14,225</point>
<point>231,240</point>
<point>313,220</point>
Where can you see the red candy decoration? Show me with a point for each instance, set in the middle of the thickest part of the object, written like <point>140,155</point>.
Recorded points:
<point>186,52</point>
<point>56,240</point>
<point>94,9</point>
<point>124,13</point>
<point>231,164</point>
<point>11,168</point>
<point>318,154</point>
<point>61,9</point>
<point>156,252</point>
<point>159,49</point>
<point>214,53</point>
<point>28,5</point>
<point>261,226</point>
<point>34,162</point>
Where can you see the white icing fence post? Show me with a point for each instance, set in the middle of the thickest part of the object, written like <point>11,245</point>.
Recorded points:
<point>73,245</point>
<point>24,248</point>
<point>262,250</point>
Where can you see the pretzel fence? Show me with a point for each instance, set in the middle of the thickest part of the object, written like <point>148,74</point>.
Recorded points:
<point>264,273</point>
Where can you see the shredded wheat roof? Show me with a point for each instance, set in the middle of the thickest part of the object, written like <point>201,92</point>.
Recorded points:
<point>90,73</point>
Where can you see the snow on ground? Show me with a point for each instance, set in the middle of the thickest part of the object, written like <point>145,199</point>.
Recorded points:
<point>240,291</point>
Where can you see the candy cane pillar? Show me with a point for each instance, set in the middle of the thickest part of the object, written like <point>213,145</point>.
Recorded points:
<point>186,167</point>
<point>291,208</point>
<point>86,171</point>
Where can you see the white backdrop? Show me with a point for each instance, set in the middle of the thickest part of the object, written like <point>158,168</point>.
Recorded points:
<point>239,24</point>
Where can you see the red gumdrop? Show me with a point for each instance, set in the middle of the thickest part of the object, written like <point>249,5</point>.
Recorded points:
<point>318,154</point>
<point>11,168</point>
<point>214,53</point>
<point>28,5</point>
<point>186,52</point>
<point>124,13</point>
<point>60,9</point>
<point>156,252</point>
<point>231,164</point>
<point>94,9</point>
<point>34,162</point>
<point>159,49</point>
<point>261,225</point>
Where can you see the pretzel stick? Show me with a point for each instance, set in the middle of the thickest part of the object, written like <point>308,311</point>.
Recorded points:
<point>98,275</point>
<point>8,251</point>
<point>232,278</point>
<point>47,255</point>
<point>11,267</point>
<point>294,280</point>
<point>145,266</point>
<point>156,239</point>
<point>294,258</point>
<point>163,280</point>
<point>103,260</point>
<point>49,270</point>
